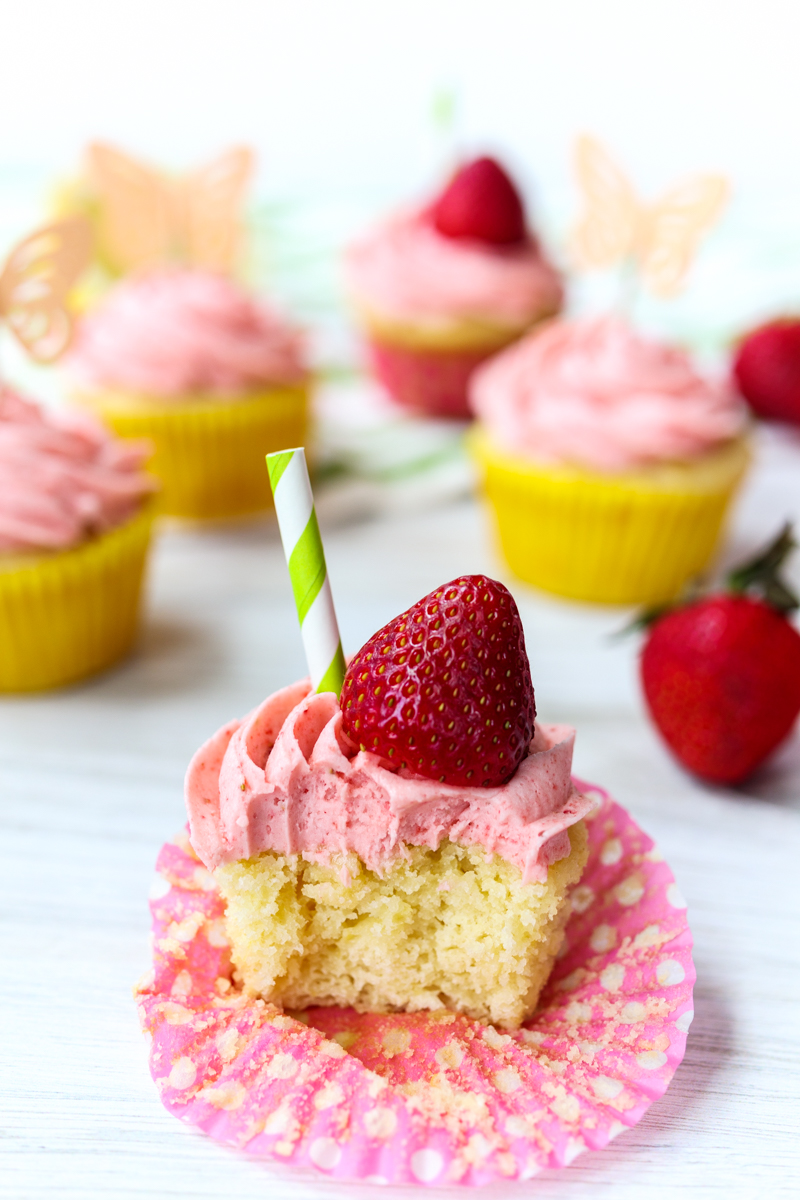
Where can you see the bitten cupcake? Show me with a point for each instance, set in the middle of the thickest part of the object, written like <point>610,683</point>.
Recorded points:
<point>210,374</point>
<point>608,460</point>
<point>439,289</point>
<point>351,951</point>
<point>75,516</point>
<point>412,849</point>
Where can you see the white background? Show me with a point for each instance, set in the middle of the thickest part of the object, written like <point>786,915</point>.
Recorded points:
<point>335,93</point>
<point>336,96</point>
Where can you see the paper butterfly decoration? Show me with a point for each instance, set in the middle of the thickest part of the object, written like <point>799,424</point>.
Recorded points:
<point>659,239</point>
<point>36,280</point>
<point>145,218</point>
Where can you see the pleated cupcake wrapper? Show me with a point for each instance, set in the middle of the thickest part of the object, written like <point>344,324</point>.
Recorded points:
<point>209,453</point>
<point>430,382</point>
<point>429,1098</point>
<point>72,613</point>
<point>602,540</point>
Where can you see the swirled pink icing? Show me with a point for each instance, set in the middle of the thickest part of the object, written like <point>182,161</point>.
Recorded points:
<point>176,331</point>
<point>62,477</point>
<point>285,779</point>
<point>597,394</point>
<point>405,270</point>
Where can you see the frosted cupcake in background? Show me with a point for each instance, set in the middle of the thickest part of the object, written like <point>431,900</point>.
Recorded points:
<point>75,517</point>
<point>439,289</point>
<point>608,461</point>
<point>212,375</point>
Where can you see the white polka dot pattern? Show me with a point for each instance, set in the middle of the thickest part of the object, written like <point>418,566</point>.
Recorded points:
<point>603,938</point>
<point>670,972</point>
<point>159,888</point>
<point>651,1060</point>
<point>182,1074</point>
<point>325,1153</point>
<point>611,852</point>
<point>684,1021</point>
<point>426,1165</point>
<point>429,1098</point>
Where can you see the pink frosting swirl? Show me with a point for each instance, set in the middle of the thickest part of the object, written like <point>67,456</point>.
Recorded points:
<point>596,394</point>
<point>171,332</point>
<point>285,779</point>
<point>405,270</point>
<point>62,477</point>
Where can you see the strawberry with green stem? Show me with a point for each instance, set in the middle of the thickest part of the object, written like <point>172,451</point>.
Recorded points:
<point>721,674</point>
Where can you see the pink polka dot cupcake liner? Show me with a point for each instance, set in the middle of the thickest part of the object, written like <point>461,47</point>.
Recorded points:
<point>431,1099</point>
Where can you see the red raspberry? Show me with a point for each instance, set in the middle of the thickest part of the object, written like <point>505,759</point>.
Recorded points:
<point>481,203</point>
<point>444,690</point>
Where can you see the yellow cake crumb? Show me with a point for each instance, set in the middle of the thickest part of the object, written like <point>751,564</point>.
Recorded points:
<point>452,928</point>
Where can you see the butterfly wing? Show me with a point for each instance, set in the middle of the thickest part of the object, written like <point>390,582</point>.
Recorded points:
<point>213,205</point>
<point>673,228</point>
<point>607,229</point>
<point>36,281</point>
<point>134,203</point>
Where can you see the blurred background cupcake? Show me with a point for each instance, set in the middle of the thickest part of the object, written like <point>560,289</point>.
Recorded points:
<point>608,461</point>
<point>440,288</point>
<point>172,346</point>
<point>75,514</point>
<point>210,374</point>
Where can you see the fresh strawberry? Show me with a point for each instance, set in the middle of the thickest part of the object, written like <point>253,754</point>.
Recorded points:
<point>721,675</point>
<point>444,690</point>
<point>481,203</point>
<point>767,370</point>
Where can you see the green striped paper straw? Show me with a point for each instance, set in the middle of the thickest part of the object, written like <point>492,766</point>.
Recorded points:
<point>302,545</point>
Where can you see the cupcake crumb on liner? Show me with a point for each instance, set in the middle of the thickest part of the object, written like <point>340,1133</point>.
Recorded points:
<point>429,1098</point>
<point>67,614</point>
<point>209,452</point>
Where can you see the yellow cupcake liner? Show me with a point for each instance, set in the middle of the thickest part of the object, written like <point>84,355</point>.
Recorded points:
<point>626,538</point>
<point>71,613</point>
<point>209,453</point>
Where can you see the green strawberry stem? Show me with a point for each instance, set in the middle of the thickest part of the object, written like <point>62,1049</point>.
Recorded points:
<point>760,577</point>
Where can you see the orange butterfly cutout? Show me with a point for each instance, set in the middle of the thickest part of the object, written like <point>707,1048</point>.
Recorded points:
<point>145,217</point>
<point>38,276</point>
<point>661,239</point>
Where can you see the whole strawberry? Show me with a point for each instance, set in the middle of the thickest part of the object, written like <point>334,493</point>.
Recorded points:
<point>481,203</point>
<point>721,676</point>
<point>444,690</point>
<point>767,370</point>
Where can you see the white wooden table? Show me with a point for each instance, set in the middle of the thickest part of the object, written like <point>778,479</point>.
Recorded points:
<point>91,787</point>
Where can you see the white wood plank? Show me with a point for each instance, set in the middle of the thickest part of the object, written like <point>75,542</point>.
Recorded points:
<point>91,786</point>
